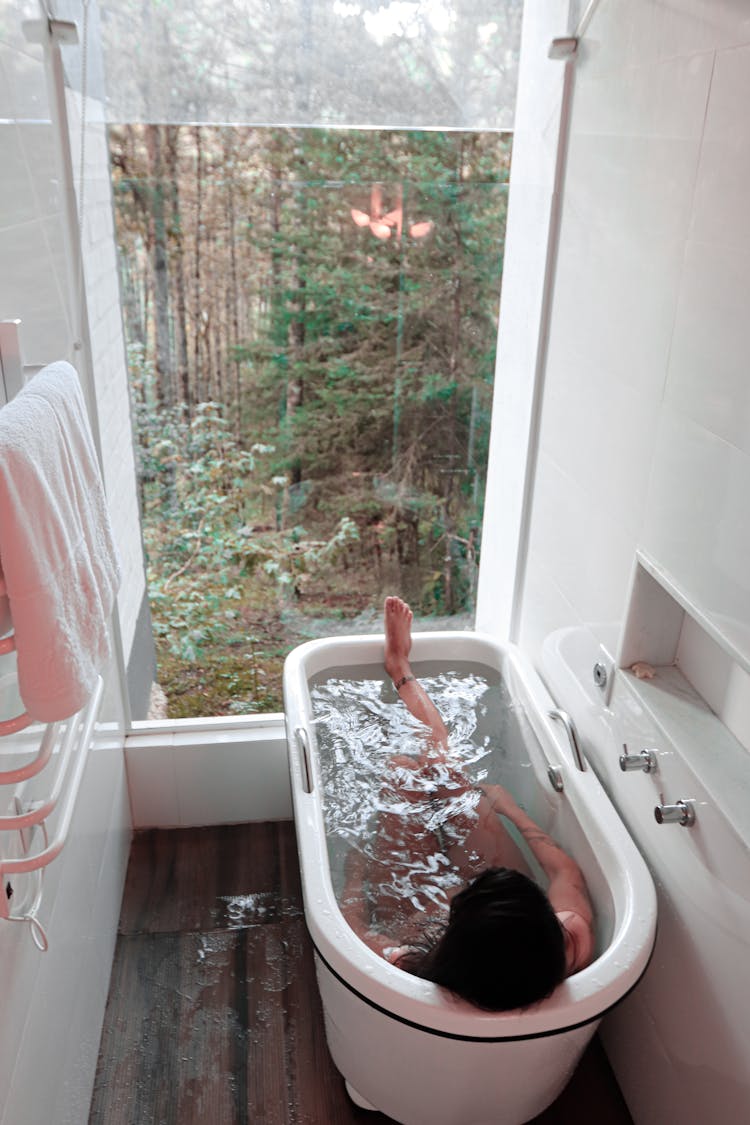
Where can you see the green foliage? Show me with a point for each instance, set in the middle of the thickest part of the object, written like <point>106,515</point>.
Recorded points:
<point>320,435</point>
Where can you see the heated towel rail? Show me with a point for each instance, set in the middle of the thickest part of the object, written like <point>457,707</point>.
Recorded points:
<point>62,751</point>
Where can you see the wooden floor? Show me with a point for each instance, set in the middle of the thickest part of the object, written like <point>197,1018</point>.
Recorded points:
<point>213,1016</point>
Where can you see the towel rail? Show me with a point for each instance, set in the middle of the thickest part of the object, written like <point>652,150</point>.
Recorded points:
<point>32,863</point>
<point>66,742</point>
<point>41,859</point>
<point>16,724</point>
<point>31,769</point>
<point>82,726</point>
<point>13,371</point>
<point>11,364</point>
<point>12,377</point>
<point>24,719</point>
<point>38,811</point>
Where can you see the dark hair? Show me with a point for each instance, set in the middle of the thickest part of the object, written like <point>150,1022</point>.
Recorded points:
<point>502,948</point>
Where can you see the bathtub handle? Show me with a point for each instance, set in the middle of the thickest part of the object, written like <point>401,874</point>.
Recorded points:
<point>303,746</point>
<point>564,718</point>
<point>554,773</point>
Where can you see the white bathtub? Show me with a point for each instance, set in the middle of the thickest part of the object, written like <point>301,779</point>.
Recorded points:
<point>404,1046</point>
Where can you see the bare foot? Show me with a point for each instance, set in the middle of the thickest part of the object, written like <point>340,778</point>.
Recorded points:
<point>397,620</point>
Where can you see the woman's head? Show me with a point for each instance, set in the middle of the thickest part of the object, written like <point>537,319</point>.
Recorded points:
<point>502,948</point>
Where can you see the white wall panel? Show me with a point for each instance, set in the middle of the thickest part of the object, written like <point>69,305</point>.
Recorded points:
<point>696,522</point>
<point>708,368</point>
<point>582,545</point>
<point>645,424</point>
<point>600,430</point>
<point>53,1003</point>
<point>725,156</point>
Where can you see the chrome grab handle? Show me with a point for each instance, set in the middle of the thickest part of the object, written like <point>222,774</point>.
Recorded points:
<point>645,761</point>
<point>682,812</point>
<point>304,756</point>
<point>564,718</point>
<point>554,773</point>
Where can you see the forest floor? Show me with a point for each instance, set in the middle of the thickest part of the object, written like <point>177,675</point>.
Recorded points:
<point>243,675</point>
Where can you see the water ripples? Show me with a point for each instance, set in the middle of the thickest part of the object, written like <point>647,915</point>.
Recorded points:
<point>403,820</point>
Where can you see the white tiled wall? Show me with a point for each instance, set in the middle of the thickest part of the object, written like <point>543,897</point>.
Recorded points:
<point>645,428</point>
<point>644,448</point>
<point>221,771</point>
<point>53,1003</point>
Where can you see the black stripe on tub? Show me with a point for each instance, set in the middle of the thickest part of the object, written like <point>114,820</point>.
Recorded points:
<point>479,1038</point>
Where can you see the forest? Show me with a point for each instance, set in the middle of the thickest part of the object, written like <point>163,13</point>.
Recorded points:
<point>311,320</point>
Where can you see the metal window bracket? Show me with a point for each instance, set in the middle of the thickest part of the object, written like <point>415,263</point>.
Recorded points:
<point>64,32</point>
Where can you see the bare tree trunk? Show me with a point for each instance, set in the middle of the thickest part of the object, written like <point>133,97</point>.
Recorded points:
<point>162,364</point>
<point>178,268</point>
<point>219,353</point>
<point>197,303</point>
<point>232,304</point>
<point>456,315</point>
<point>295,386</point>
<point>276,298</point>
<point>132,304</point>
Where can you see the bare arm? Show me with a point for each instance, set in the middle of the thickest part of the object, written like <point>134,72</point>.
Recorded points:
<point>567,886</point>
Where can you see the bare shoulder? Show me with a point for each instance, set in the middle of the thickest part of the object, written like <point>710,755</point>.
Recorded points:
<point>568,892</point>
<point>579,940</point>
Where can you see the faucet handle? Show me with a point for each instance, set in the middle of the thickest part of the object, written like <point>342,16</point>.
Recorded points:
<point>682,812</point>
<point>645,760</point>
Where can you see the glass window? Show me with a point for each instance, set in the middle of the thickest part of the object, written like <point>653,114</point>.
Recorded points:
<point>311,318</point>
<point>445,64</point>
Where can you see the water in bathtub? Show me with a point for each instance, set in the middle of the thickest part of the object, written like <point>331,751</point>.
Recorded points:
<point>408,825</point>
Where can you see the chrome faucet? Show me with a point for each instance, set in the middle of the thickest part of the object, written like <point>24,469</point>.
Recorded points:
<point>682,812</point>
<point>645,760</point>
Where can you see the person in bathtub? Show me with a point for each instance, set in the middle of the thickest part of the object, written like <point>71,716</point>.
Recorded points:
<point>452,900</point>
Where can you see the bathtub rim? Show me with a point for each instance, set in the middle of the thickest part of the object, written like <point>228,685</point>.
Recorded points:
<point>580,999</point>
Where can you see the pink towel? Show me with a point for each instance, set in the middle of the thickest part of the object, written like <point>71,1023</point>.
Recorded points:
<point>58,558</point>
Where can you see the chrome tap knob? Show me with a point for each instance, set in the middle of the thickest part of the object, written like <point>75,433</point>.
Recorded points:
<point>645,761</point>
<point>682,812</point>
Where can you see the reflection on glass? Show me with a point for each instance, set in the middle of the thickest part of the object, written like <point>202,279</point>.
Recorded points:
<point>399,64</point>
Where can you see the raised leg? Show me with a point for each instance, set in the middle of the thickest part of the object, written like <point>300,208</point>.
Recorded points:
<point>397,619</point>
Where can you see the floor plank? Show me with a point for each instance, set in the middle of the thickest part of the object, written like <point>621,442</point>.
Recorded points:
<point>591,1095</point>
<point>213,1015</point>
<point>189,878</point>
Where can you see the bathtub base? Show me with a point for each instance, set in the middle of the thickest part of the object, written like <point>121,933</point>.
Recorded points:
<point>418,1078</point>
<point>357,1098</point>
